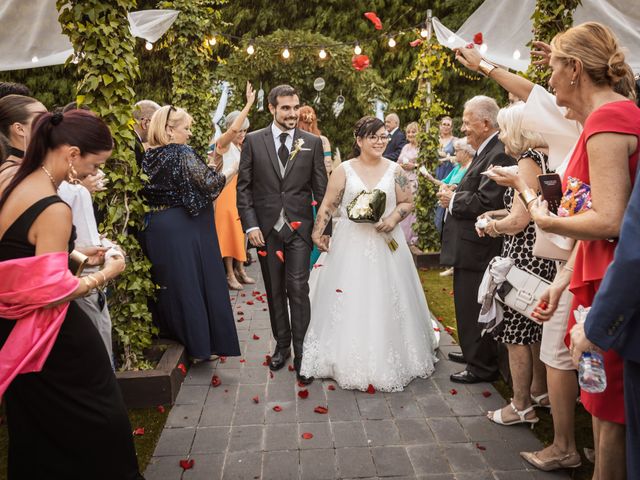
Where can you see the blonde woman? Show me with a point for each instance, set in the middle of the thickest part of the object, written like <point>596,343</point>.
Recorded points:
<point>192,301</point>
<point>408,160</point>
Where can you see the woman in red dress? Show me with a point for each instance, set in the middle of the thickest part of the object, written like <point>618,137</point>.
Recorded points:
<point>591,78</point>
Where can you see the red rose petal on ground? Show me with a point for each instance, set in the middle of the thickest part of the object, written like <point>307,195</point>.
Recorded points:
<point>222,359</point>
<point>187,464</point>
<point>161,408</point>
<point>453,391</point>
<point>436,329</point>
<point>451,293</point>
<point>280,255</point>
<point>317,265</point>
<point>240,312</point>
<point>314,203</point>
<point>277,408</point>
<point>303,393</point>
<point>307,435</point>
<point>264,309</point>
<point>243,295</point>
<point>295,225</point>
<point>331,387</point>
<point>265,364</point>
<point>338,290</point>
<point>249,302</point>
<point>215,381</point>
<point>267,358</point>
<point>226,390</point>
<point>139,431</point>
<point>270,374</point>
<point>371,389</point>
<point>256,399</point>
<point>255,292</point>
<point>262,253</point>
<point>480,447</point>
<point>291,369</point>
<point>182,368</point>
<point>486,394</point>
<point>321,410</point>
<point>242,360</point>
<point>301,385</point>
<point>255,337</point>
<point>449,330</point>
<point>477,38</point>
<point>439,319</point>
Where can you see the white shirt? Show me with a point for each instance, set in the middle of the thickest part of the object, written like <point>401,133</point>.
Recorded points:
<point>393,131</point>
<point>79,199</point>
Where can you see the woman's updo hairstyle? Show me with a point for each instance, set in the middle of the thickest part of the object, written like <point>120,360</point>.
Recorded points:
<point>363,128</point>
<point>596,47</point>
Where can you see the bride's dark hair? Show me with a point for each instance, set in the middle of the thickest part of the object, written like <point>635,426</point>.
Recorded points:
<point>364,127</point>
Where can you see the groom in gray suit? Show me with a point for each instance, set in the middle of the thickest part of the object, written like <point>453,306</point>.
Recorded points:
<point>281,175</point>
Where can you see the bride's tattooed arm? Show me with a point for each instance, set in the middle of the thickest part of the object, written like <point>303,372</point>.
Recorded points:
<point>404,194</point>
<point>331,202</point>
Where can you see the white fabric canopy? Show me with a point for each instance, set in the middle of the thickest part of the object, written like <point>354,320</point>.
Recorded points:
<point>30,35</point>
<point>506,28</point>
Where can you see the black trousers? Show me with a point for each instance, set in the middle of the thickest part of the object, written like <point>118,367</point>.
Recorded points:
<point>481,353</point>
<point>287,281</point>
<point>632,417</point>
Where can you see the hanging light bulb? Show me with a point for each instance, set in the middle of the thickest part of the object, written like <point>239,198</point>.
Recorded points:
<point>212,41</point>
<point>516,54</point>
<point>483,48</point>
<point>392,42</point>
<point>148,46</point>
<point>285,53</point>
<point>424,33</point>
<point>357,49</point>
<point>322,54</point>
<point>34,59</point>
<point>251,49</point>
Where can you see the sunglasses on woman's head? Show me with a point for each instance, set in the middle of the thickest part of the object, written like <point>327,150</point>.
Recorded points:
<point>166,123</point>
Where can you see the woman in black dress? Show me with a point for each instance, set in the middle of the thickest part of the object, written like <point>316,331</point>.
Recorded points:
<point>66,420</point>
<point>192,303</point>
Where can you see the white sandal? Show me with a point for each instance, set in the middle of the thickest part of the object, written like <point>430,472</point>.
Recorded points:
<point>537,401</point>
<point>496,416</point>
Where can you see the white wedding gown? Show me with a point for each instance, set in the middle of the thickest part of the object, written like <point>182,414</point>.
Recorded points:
<point>370,323</point>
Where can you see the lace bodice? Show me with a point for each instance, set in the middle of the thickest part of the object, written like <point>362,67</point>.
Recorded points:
<point>354,185</point>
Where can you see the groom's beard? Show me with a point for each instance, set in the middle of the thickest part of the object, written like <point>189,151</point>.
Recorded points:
<point>286,123</point>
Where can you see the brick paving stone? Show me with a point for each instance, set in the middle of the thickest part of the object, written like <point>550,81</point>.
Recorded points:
<point>423,432</point>
<point>282,465</point>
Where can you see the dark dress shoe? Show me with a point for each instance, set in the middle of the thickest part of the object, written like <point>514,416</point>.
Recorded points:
<point>465,376</point>
<point>456,357</point>
<point>279,358</point>
<point>297,362</point>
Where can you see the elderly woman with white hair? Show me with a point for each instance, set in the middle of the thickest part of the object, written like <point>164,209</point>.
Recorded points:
<point>228,226</point>
<point>521,335</point>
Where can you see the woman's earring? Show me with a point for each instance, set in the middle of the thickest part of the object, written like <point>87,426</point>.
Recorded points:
<point>573,82</point>
<point>72,174</point>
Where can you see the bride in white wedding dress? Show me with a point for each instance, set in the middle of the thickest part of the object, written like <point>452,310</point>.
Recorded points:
<point>370,324</point>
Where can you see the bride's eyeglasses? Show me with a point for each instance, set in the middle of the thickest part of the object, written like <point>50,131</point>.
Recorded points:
<point>378,138</point>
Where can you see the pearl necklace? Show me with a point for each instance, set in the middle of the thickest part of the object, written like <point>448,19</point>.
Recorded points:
<point>50,177</point>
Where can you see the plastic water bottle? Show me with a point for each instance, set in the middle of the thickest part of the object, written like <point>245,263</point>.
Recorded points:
<point>591,374</point>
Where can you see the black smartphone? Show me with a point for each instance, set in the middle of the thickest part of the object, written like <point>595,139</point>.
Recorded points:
<point>551,189</point>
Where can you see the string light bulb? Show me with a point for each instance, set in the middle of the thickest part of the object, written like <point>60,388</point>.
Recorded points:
<point>35,59</point>
<point>148,46</point>
<point>391,42</point>
<point>357,49</point>
<point>212,41</point>
<point>322,54</point>
<point>251,49</point>
<point>424,33</point>
<point>285,53</point>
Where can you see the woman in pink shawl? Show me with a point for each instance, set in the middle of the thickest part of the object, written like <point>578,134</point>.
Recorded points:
<point>65,412</point>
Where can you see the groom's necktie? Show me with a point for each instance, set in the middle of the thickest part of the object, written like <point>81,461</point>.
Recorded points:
<point>283,151</point>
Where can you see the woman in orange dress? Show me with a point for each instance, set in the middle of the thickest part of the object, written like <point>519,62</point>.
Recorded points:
<point>230,234</point>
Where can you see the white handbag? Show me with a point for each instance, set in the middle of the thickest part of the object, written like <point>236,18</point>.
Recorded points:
<point>521,291</point>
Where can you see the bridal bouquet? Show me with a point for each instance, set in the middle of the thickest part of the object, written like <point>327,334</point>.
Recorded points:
<point>368,207</point>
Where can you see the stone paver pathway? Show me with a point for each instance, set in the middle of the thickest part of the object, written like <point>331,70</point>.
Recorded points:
<point>434,430</point>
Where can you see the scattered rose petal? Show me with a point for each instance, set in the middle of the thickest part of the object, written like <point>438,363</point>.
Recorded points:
<point>477,38</point>
<point>277,408</point>
<point>480,447</point>
<point>416,42</point>
<point>331,387</point>
<point>451,293</point>
<point>291,369</point>
<point>222,359</point>
<point>267,358</point>
<point>486,394</point>
<point>439,319</point>
<point>161,408</point>
<point>270,374</point>
<point>314,203</point>
<point>243,295</point>
<point>469,45</point>
<point>249,302</point>
<point>280,255</point>
<point>295,225</point>
<point>321,410</point>
<point>215,381</point>
<point>436,329</point>
<point>255,337</point>
<point>240,312</point>
<point>226,390</point>
<point>307,435</point>
<point>256,399</point>
<point>301,385</point>
<point>139,431</point>
<point>317,265</point>
<point>182,368</point>
<point>187,464</point>
<point>264,309</point>
<point>241,319</point>
<point>242,360</point>
<point>371,389</point>
<point>262,253</point>
<point>360,62</point>
<point>373,18</point>
<point>303,393</point>
<point>338,290</point>
<point>449,330</point>
<point>453,391</point>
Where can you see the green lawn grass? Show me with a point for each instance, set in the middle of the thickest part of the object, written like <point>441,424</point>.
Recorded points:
<point>439,293</point>
<point>149,418</point>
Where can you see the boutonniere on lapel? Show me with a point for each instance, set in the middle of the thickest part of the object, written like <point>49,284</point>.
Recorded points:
<point>297,148</point>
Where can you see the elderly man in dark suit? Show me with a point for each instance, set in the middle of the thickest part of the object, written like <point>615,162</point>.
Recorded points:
<point>281,175</point>
<point>462,248</point>
<point>614,322</point>
<point>397,139</point>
